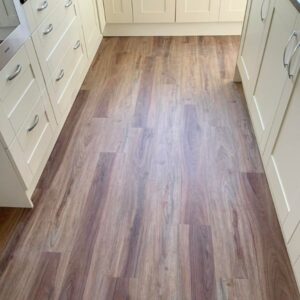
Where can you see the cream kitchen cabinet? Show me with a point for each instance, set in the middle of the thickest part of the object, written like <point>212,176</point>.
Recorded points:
<point>255,33</point>
<point>283,38</point>
<point>118,11</point>
<point>188,11</point>
<point>91,27</point>
<point>101,14</point>
<point>27,127</point>
<point>173,17</point>
<point>38,88</point>
<point>281,155</point>
<point>61,50</point>
<point>232,10</point>
<point>154,11</point>
<point>37,10</point>
<point>8,15</point>
<point>283,167</point>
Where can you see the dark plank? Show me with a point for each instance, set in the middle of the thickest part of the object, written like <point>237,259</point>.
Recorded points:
<point>45,281</point>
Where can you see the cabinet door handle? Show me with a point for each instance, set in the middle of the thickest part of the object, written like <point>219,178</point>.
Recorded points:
<point>15,73</point>
<point>43,6</point>
<point>77,45</point>
<point>293,35</point>
<point>291,76</point>
<point>261,11</point>
<point>61,75</point>
<point>34,123</point>
<point>49,29</point>
<point>68,4</point>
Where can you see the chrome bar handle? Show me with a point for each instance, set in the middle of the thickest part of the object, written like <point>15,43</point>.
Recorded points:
<point>294,34</point>
<point>43,6</point>
<point>15,73</point>
<point>261,11</point>
<point>291,76</point>
<point>34,123</point>
<point>61,75</point>
<point>68,4</point>
<point>77,45</point>
<point>49,29</point>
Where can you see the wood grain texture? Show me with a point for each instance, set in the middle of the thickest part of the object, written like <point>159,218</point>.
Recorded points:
<point>155,188</point>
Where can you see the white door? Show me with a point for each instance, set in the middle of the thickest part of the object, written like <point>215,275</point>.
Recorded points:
<point>154,11</point>
<point>232,10</point>
<point>256,32</point>
<point>273,74</point>
<point>188,11</point>
<point>8,15</point>
<point>91,27</point>
<point>118,11</point>
<point>283,169</point>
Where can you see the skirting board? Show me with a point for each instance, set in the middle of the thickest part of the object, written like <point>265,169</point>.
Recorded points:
<point>186,29</point>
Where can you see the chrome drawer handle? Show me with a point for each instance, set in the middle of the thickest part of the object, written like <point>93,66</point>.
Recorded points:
<point>15,73</point>
<point>43,6</point>
<point>34,123</point>
<point>291,76</point>
<point>294,34</point>
<point>48,30</point>
<point>77,45</point>
<point>61,75</point>
<point>261,11</point>
<point>68,4</point>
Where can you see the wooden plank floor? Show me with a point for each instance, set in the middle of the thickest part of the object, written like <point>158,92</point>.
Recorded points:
<point>155,189</point>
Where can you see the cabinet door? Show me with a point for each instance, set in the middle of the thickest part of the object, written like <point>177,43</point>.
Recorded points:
<point>197,11</point>
<point>101,13</point>
<point>283,169</point>
<point>90,25</point>
<point>154,11</point>
<point>8,15</point>
<point>254,38</point>
<point>273,74</point>
<point>232,10</point>
<point>118,11</point>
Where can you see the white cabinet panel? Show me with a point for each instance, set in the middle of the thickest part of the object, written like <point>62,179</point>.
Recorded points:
<point>91,27</point>
<point>188,11</point>
<point>232,10</point>
<point>255,35</point>
<point>154,11</point>
<point>101,13</point>
<point>8,15</point>
<point>273,74</point>
<point>294,247</point>
<point>118,11</point>
<point>283,169</point>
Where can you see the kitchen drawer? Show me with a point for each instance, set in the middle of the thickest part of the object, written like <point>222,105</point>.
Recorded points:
<point>32,142</point>
<point>21,85</point>
<point>53,28</point>
<point>11,74</point>
<point>67,66</point>
<point>41,9</point>
<point>18,104</point>
<point>74,82</point>
<point>71,39</point>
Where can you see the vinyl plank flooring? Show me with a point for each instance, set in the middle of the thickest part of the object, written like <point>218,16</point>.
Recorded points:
<point>155,188</point>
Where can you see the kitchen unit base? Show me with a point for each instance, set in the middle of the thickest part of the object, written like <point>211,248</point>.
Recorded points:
<point>179,29</point>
